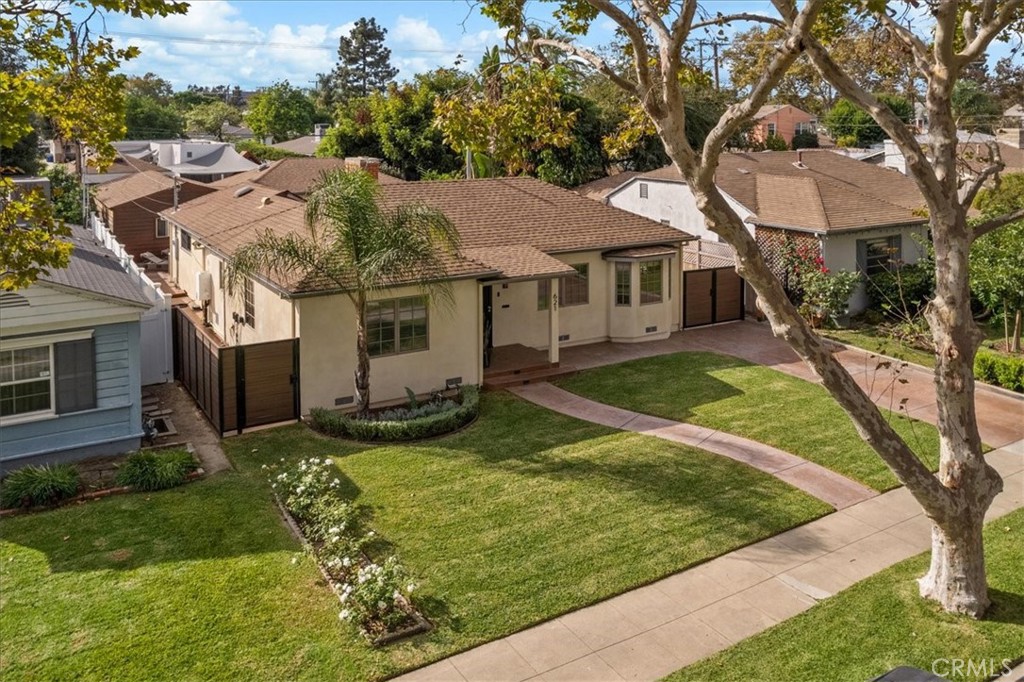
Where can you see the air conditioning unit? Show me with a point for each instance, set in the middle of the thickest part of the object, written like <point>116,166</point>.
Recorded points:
<point>204,286</point>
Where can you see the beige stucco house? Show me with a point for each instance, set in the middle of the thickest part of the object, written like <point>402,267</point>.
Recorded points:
<point>540,268</point>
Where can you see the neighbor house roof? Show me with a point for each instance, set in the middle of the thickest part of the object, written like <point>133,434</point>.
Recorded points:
<point>93,269</point>
<point>221,159</point>
<point>598,189</point>
<point>295,175</point>
<point>508,226</point>
<point>823,193</point>
<point>305,145</point>
<point>139,186</point>
<point>769,109</point>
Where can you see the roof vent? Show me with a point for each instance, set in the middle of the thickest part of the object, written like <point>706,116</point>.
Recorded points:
<point>743,170</point>
<point>242,191</point>
<point>800,164</point>
<point>263,166</point>
<point>264,201</point>
<point>12,300</point>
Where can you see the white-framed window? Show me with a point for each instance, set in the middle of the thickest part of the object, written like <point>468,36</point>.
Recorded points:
<point>770,127</point>
<point>161,227</point>
<point>47,375</point>
<point>185,240</point>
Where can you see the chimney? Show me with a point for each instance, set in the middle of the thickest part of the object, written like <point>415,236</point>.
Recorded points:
<point>319,130</point>
<point>1014,137</point>
<point>363,163</point>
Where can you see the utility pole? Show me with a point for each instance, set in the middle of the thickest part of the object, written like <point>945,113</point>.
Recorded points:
<point>714,47</point>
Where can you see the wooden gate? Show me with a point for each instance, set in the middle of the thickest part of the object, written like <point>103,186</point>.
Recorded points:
<point>711,295</point>
<point>236,387</point>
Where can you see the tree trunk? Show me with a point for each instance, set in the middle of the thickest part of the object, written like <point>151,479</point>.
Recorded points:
<point>362,373</point>
<point>1006,324</point>
<point>1015,348</point>
<point>956,577</point>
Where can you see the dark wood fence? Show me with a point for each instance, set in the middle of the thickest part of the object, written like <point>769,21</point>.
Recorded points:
<point>236,387</point>
<point>712,295</point>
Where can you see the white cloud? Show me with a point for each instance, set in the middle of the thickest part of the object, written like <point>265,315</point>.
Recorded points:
<point>417,34</point>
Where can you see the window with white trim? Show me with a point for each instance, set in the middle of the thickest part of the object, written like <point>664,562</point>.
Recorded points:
<point>770,127</point>
<point>48,378</point>
<point>879,254</point>
<point>623,284</point>
<point>572,289</point>
<point>249,302</point>
<point>161,227</point>
<point>185,240</point>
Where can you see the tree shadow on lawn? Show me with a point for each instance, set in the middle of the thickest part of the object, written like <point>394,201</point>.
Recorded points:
<point>228,515</point>
<point>1007,607</point>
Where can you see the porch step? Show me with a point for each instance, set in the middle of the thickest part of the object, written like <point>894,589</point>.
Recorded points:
<point>500,374</point>
<point>499,382</point>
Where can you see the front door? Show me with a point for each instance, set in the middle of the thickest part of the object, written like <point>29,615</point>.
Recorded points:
<point>488,326</point>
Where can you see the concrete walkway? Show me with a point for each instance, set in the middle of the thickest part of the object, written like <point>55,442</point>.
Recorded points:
<point>649,632</point>
<point>814,479</point>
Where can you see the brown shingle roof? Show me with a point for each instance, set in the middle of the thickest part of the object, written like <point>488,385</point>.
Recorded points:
<point>518,261</point>
<point>138,186</point>
<point>597,189</point>
<point>295,175</point>
<point>830,192</point>
<point>504,211</point>
<point>305,145</point>
<point>503,223</point>
<point>642,252</point>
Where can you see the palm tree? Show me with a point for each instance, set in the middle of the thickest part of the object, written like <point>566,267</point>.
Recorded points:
<point>356,246</point>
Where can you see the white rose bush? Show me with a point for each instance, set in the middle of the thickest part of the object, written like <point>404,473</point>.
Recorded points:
<point>375,595</point>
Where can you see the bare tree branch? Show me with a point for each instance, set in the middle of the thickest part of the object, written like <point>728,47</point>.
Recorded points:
<point>738,113</point>
<point>650,16</point>
<point>917,162</point>
<point>993,23</point>
<point>995,223</point>
<point>917,48</point>
<point>593,59</point>
<point>638,40</point>
<point>996,165</point>
<point>741,16</point>
<point>682,26</point>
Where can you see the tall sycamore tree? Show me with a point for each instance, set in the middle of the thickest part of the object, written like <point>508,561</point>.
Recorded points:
<point>958,32</point>
<point>355,245</point>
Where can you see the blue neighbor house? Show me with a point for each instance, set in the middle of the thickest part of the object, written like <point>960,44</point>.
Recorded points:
<point>70,383</point>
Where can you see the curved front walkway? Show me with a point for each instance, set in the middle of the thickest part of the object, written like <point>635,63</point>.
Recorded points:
<point>813,479</point>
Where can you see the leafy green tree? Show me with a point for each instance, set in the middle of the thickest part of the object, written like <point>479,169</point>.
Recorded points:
<point>805,141</point>
<point>147,119</point>
<point>775,143</point>
<point>185,100</point>
<point>583,159</point>
<point>69,81</point>
<point>210,118</point>
<point>997,258</point>
<point>360,247</point>
<point>280,111</point>
<point>974,108</point>
<point>263,152</point>
<point>353,133</point>
<point>847,119</point>
<point>364,63</point>
<point>149,85</point>
<point>22,157</point>
<point>66,193</point>
<point>403,120</point>
<point>510,113</point>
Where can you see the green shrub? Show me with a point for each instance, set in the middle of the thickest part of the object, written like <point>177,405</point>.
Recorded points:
<point>35,486</point>
<point>902,291</point>
<point>1000,370</point>
<point>156,470</point>
<point>345,426</point>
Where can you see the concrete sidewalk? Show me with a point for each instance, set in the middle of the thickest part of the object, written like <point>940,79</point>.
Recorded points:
<point>649,632</point>
<point>814,479</point>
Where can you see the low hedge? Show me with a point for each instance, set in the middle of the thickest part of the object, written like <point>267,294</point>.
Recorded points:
<point>345,426</point>
<point>156,470</point>
<point>1000,370</point>
<point>37,486</point>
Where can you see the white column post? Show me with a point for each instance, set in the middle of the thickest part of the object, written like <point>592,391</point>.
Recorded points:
<point>553,321</point>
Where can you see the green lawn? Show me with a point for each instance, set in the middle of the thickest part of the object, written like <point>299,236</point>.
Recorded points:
<point>524,515</point>
<point>870,340</point>
<point>728,394</point>
<point>881,623</point>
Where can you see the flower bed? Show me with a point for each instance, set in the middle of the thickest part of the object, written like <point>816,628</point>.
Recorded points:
<point>414,423</point>
<point>374,595</point>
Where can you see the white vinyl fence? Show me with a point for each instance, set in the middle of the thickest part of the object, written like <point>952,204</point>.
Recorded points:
<point>157,354</point>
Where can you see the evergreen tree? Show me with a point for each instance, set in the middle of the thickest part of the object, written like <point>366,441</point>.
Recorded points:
<point>364,64</point>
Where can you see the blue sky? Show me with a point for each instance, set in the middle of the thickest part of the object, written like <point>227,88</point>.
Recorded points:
<point>254,43</point>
